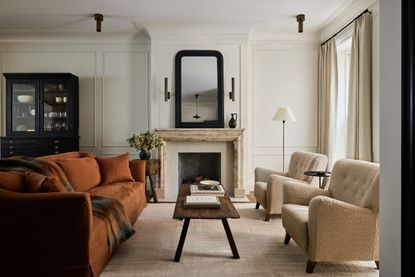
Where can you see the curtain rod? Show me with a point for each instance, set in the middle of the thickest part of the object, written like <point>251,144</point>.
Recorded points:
<point>347,25</point>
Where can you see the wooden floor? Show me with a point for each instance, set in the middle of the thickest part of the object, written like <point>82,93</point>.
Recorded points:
<point>206,251</point>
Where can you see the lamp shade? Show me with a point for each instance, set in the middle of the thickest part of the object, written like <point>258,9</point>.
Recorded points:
<point>284,114</point>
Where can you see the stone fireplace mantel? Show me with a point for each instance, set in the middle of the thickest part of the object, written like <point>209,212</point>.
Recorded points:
<point>234,136</point>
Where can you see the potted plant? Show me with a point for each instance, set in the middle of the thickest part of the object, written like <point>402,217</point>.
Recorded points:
<point>144,142</point>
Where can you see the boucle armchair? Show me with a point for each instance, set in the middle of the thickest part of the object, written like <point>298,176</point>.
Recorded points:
<point>268,183</point>
<point>338,224</point>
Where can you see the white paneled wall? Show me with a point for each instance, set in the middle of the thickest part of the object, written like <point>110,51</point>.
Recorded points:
<point>282,73</point>
<point>113,85</point>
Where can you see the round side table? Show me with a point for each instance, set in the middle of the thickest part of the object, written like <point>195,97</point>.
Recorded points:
<point>319,174</point>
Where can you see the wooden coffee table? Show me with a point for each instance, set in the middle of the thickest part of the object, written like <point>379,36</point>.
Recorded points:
<point>226,210</point>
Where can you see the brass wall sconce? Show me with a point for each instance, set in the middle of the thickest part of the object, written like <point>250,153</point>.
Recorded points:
<point>300,20</point>
<point>232,92</point>
<point>99,18</point>
<point>166,90</point>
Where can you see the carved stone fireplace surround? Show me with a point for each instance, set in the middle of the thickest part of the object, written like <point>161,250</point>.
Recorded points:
<point>234,136</point>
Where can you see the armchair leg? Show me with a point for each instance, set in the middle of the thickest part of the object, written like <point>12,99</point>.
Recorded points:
<point>377,264</point>
<point>257,205</point>
<point>287,238</point>
<point>267,217</point>
<point>310,266</point>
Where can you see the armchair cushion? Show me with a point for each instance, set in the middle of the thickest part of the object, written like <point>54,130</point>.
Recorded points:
<point>298,193</point>
<point>262,174</point>
<point>295,222</point>
<point>305,161</point>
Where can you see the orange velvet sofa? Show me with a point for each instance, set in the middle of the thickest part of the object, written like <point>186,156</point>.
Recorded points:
<point>56,233</point>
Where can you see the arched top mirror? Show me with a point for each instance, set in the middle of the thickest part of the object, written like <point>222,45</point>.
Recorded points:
<point>199,89</point>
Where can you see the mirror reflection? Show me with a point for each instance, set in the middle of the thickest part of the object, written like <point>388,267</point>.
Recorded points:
<point>199,91</point>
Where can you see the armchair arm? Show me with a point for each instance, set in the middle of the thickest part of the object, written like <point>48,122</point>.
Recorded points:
<point>298,193</point>
<point>262,174</point>
<point>44,229</point>
<point>341,231</point>
<point>274,193</point>
<point>138,170</point>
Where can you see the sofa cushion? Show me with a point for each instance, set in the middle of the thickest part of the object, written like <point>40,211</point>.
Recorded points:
<point>115,169</point>
<point>36,182</point>
<point>295,222</point>
<point>67,155</point>
<point>130,194</point>
<point>12,180</point>
<point>82,173</point>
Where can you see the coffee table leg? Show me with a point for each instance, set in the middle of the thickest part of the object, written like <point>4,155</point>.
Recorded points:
<point>230,238</point>
<point>182,239</point>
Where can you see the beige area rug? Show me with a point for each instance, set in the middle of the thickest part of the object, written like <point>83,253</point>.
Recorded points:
<point>206,251</point>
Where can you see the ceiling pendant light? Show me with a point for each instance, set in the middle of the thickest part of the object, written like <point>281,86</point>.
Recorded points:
<point>300,20</point>
<point>196,116</point>
<point>98,18</point>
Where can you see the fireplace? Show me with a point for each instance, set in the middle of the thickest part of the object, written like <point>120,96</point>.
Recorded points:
<point>227,142</point>
<point>194,167</point>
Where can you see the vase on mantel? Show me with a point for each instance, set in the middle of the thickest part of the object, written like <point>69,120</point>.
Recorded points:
<point>144,154</point>
<point>232,122</point>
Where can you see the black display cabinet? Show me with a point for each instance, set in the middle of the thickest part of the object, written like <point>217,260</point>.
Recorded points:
<point>41,114</point>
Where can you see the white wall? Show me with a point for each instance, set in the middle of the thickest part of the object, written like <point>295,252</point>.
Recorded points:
<point>390,134</point>
<point>113,82</point>
<point>281,73</point>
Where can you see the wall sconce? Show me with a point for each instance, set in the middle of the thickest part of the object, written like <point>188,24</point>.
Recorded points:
<point>166,90</point>
<point>232,92</point>
<point>300,20</point>
<point>98,18</point>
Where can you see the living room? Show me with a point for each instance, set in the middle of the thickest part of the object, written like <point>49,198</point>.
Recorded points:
<point>125,59</point>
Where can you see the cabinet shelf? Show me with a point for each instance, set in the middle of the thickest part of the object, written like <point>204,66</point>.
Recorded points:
<point>42,130</point>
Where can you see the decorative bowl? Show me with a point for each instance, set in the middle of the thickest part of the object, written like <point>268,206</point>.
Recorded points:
<point>24,98</point>
<point>209,182</point>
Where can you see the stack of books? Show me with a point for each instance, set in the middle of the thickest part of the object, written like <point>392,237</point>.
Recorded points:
<point>202,201</point>
<point>205,195</point>
<point>209,189</point>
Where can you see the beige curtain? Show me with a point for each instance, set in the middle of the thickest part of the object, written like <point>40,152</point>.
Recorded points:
<point>359,115</point>
<point>327,99</point>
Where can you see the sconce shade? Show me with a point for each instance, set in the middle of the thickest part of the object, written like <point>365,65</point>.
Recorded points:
<point>284,114</point>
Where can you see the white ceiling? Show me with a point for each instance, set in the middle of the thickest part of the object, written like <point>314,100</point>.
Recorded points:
<point>129,15</point>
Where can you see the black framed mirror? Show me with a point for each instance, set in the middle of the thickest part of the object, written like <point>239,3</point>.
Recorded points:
<point>199,89</point>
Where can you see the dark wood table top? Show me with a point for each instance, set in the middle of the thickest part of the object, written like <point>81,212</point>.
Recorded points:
<point>318,173</point>
<point>226,210</point>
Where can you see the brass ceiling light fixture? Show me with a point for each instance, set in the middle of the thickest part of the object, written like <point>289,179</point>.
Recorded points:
<point>99,18</point>
<point>300,20</point>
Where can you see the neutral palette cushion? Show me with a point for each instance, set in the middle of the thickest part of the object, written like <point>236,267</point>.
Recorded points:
<point>260,193</point>
<point>83,173</point>
<point>295,222</point>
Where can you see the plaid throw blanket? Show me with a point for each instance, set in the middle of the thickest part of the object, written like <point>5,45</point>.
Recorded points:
<point>108,209</point>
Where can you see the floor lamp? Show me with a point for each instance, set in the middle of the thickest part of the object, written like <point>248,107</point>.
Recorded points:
<point>283,114</point>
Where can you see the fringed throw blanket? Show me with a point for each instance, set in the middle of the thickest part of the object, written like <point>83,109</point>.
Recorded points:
<point>108,209</point>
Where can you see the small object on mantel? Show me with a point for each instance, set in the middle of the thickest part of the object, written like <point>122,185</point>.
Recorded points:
<point>232,121</point>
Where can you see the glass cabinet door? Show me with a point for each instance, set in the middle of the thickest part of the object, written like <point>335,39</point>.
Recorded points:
<point>24,107</point>
<point>55,107</point>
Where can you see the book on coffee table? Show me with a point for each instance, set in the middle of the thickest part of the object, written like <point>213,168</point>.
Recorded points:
<point>207,189</point>
<point>201,201</point>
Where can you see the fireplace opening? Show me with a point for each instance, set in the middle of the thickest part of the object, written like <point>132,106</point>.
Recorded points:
<point>194,167</point>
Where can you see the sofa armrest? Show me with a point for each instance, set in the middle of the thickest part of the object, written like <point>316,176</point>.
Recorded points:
<point>341,231</point>
<point>262,174</point>
<point>301,194</point>
<point>138,170</point>
<point>45,229</point>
